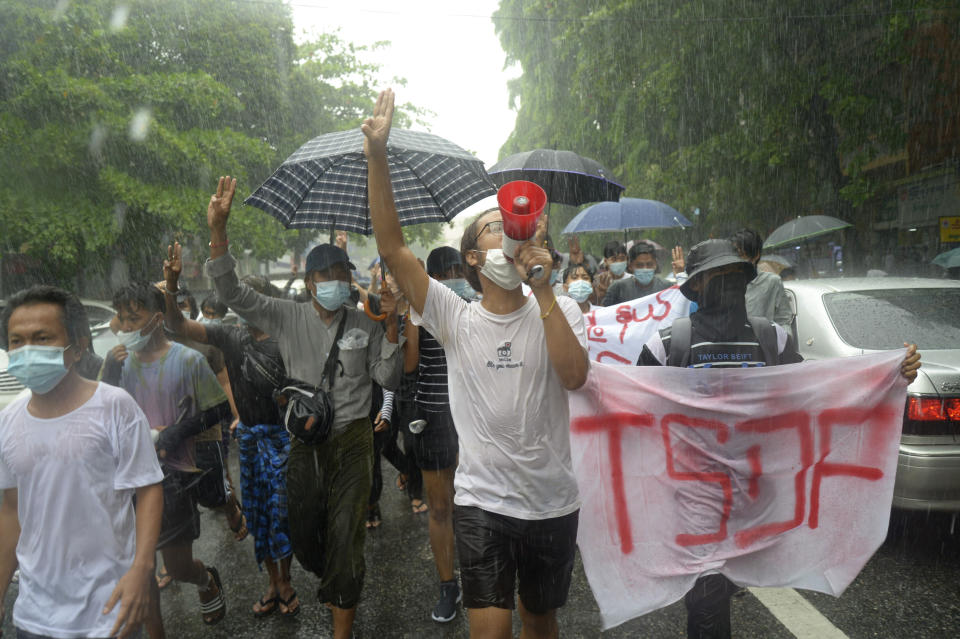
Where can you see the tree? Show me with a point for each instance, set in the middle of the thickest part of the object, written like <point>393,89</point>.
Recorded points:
<point>752,112</point>
<point>116,119</point>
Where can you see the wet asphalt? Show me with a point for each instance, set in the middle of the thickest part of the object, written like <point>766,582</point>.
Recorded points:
<point>910,588</point>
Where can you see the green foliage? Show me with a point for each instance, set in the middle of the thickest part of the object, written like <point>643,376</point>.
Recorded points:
<point>751,111</point>
<point>113,136</point>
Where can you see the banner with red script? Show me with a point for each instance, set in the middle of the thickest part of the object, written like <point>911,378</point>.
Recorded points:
<point>616,334</point>
<point>776,476</point>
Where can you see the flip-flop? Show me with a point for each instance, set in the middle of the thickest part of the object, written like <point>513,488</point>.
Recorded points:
<point>419,508</point>
<point>164,579</point>
<point>215,610</point>
<point>291,612</point>
<point>267,607</point>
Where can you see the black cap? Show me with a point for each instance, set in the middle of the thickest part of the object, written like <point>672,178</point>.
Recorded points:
<point>441,259</point>
<point>711,254</point>
<point>323,256</point>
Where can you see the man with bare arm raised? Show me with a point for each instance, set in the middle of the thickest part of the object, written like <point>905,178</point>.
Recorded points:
<point>511,360</point>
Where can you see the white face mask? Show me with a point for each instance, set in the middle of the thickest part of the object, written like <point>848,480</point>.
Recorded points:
<point>498,270</point>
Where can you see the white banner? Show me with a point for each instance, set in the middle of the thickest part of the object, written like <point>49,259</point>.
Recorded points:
<point>774,476</point>
<point>616,334</point>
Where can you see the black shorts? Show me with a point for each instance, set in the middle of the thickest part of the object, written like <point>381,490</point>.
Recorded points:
<point>437,446</point>
<point>180,524</point>
<point>495,551</point>
<point>212,489</point>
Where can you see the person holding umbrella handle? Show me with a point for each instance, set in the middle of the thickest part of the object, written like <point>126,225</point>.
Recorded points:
<point>510,361</point>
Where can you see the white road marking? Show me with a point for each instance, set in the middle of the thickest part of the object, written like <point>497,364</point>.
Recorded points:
<point>797,614</point>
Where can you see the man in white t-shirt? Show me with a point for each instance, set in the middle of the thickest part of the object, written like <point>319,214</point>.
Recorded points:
<point>511,360</point>
<point>73,454</point>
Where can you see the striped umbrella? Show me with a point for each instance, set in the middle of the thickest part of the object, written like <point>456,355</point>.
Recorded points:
<point>323,185</point>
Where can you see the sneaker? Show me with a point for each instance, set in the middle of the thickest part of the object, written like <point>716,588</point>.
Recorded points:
<point>446,608</point>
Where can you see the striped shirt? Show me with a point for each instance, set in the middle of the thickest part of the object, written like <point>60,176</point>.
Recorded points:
<point>432,383</point>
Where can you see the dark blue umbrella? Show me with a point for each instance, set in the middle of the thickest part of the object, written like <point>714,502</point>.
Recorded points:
<point>627,214</point>
<point>566,177</point>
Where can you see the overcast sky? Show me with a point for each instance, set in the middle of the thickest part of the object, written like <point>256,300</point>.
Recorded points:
<point>449,54</point>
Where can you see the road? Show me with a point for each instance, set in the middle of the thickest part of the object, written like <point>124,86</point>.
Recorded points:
<point>910,588</point>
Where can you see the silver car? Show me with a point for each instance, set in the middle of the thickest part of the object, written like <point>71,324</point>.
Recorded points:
<point>853,316</point>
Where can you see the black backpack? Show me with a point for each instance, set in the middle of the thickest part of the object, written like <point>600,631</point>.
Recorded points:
<point>264,372</point>
<point>682,329</point>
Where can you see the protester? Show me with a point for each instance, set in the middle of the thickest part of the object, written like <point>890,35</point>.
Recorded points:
<point>765,294</point>
<point>511,360</point>
<point>180,395</point>
<point>577,256</point>
<point>612,269</point>
<point>73,455</point>
<point>721,335</point>
<point>436,446</point>
<point>578,285</point>
<point>328,485</point>
<point>643,266</point>
<point>255,368</point>
<point>212,311</point>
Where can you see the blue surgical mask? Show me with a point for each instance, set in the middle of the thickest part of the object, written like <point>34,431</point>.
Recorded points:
<point>186,314</point>
<point>553,277</point>
<point>135,341</point>
<point>644,275</point>
<point>332,295</point>
<point>580,290</point>
<point>460,286</point>
<point>39,368</point>
<point>215,321</point>
<point>618,268</point>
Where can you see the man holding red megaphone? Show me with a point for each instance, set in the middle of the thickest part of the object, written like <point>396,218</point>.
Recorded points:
<point>511,360</point>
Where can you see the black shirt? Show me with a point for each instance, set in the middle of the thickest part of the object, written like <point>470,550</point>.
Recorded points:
<point>252,407</point>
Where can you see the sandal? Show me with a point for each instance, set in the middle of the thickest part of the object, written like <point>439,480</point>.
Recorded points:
<point>419,506</point>
<point>373,516</point>
<point>214,610</point>
<point>291,612</point>
<point>164,579</point>
<point>239,528</point>
<point>267,606</point>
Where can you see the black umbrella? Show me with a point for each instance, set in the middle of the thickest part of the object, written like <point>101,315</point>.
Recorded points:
<point>323,185</point>
<point>803,228</point>
<point>567,178</point>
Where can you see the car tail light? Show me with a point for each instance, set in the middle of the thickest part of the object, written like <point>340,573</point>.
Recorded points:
<point>925,409</point>
<point>952,408</point>
<point>932,416</point>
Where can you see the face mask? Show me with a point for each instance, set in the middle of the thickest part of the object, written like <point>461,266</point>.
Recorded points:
<point>215,321</point>
<point>460,286</point>
<point>643,275</point>
<point>498,270</point>
<point>722,290</point>
<point>553,277</point>
<point>39,368</point>
<point>332,295</point>
<point>618,268</point>
<point>135,341</point>
<point>186,314</point>
<point>580,290</point>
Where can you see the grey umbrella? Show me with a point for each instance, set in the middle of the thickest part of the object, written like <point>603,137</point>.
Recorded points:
<point>803,228</point>
<point>323,185</point>
<point>567,178</point>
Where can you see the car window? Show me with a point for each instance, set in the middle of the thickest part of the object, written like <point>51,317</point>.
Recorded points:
<point>885,319</point>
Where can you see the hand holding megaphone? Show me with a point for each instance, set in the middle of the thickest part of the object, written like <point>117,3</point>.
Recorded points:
<point>534,260</point>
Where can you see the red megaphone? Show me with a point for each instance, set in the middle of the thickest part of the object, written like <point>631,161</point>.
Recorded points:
<point>521,204</point>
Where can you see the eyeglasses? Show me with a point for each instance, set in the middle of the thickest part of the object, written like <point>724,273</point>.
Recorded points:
<point>496,228</point>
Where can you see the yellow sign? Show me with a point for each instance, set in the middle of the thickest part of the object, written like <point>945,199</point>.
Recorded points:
<point>950,229</point>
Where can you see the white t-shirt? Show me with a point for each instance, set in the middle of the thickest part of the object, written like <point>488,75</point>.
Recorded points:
<point>75,478</point>
<point>508,405</point>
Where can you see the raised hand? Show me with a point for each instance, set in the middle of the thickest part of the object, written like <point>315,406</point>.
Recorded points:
<point>219,208</point>
<point>173,266</point>
<point>376,129</point>
<point>576,253</point>
<point>341,240</point>
<point>678,262</point>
